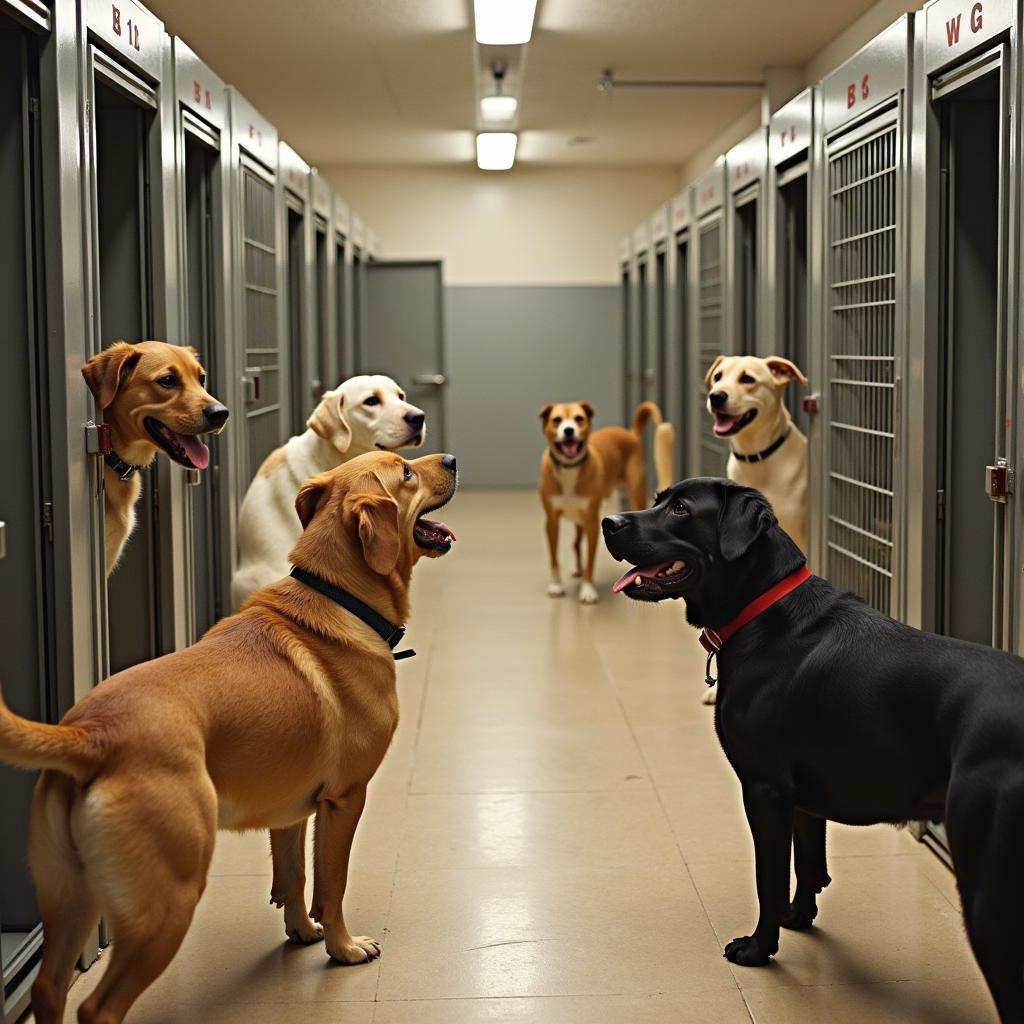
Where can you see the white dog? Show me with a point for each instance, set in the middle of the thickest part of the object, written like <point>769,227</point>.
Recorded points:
<point>767,451</point>
<point>363,414</point>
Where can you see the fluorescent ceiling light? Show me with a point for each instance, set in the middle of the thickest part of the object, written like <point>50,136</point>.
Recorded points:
<point>498,108</point>
<point>495,151</point>
<point>504,22</point>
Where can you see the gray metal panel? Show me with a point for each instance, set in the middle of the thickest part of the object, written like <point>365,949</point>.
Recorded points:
<point>344,346</point>
<point>503,334</point>
<point>875,74</point>
<point>709,238</point>
<point>790,129</point>
<point>197,87</point>
<point>956,28</point>
<point>30,12</point>
<point>130,31</point>
<point>709,190</point>
<point>357,230</point>
<point>251,131</point>
<point>681,210</point>
<point>293,170</point>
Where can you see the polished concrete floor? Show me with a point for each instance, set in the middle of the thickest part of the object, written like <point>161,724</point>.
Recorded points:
<point>556,837</point>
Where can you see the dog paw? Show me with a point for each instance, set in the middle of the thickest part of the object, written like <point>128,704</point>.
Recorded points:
<point>359,949</point>
<point>556,590</point>
<point>710,695</point>
<point>747,952</point>
<point>798,916</point>
<point>588,593</point>
<point>300,929</point>
<point>577,573</point>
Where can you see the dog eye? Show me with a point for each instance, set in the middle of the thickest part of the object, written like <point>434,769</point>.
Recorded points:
<point>406,472</point>
<point>202,380</point>
<point>557,420</point>
<point>579,420</point>
<point>679,509</point>
<point>372,400</point>
<point>401,396</point>
<point>169,381</point>
<point>718,376</point>
<point>746,379</point>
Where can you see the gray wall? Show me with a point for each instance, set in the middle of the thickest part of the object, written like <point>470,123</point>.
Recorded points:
<point>511,349</point>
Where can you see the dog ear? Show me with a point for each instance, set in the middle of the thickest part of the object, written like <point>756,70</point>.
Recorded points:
<point>545,412</point>
<point>328,421</point>
<point>783,371</point>
<point>744,515</point>
<point>307,501</point>
<point>711,370</point>
<point>378,530</point>
<point>588,409</point>
<point>108,370</point>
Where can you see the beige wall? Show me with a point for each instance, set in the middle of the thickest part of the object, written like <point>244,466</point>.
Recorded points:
<point>534,225</point>
<point>847,43</point>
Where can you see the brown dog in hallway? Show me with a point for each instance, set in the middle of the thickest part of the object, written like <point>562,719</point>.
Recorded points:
<point>581,467</point>
<point>284,709</point>
<point>153,395</point>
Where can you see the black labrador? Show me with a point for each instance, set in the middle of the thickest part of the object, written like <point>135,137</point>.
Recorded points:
<point>828,709</point>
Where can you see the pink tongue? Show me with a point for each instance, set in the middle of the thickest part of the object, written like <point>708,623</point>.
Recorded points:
<point>198,453</point>
<point>649,573</point>
<point>570,450</point>
<point>723,424</point>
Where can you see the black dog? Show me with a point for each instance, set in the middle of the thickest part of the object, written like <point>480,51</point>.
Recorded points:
<point>828,709</point>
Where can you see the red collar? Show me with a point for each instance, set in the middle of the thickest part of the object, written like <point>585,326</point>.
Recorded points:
<point>713,639</point>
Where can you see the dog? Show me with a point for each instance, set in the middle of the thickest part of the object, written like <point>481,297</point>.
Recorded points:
<point>364,414</point>
<point>283,709</point>
<point>767,451</point>
<point>581,467</point>
<point>153,397</point>
<point>830,710</point>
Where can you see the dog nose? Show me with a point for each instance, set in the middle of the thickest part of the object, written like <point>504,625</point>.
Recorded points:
<point>612,524</point>
<point>449,463</point>
<point>569,431</point>
<point>215,414</point>
<point>718,399</point>
<point>415,419</point>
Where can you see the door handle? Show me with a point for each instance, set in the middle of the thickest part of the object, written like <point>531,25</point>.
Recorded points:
<point>998,480</point>
<point>436,379</point>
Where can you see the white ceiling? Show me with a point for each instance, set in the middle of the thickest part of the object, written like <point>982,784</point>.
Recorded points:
<point>394,81</point>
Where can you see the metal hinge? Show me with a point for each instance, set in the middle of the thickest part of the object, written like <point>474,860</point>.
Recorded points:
<point>940,505</point>
<point>33,106</point>
<point>999,480</point>
<point>48,520</point>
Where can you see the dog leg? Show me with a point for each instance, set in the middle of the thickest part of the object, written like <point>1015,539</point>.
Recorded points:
<point>288,849</point>
<point>577,546</point>
<point>985,826</point>
<point>811,871</point>
<point>555,588</point>
<point>592,527</point>
<point>770,816</point>
<point>336,820</point>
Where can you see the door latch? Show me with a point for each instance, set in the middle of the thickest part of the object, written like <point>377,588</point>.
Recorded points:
<point>97,439</point>
<point>251,383</point>
<point>810,403</point>
<point>999,481</point>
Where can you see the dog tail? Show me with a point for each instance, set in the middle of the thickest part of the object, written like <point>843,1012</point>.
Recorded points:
<point>33,745</point>
<point>664,440</point>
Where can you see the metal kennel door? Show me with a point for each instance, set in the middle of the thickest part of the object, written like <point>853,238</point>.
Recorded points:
<point>747,281</point>
<point>27,614</point>
<point>323,368</point>
<point>714,453</point>
<point>263,412</point>
<point>863,176</point>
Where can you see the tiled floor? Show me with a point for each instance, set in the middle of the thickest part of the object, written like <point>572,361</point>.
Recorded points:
<point>555,837</point>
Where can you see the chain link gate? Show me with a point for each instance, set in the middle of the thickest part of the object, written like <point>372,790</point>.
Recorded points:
<point>862,180</point>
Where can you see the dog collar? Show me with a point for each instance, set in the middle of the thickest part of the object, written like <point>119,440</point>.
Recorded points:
<point>385,629</point>
<point>569,465</point>
<point>124,470</point>
<point>712,640</point>
<point>770,450</point>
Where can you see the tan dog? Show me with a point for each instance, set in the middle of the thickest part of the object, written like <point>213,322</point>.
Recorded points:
<point>153,395</point>
<point>364,414</point>
<point>581,467</point>
<point>281,710</point>
<point>768,451</point>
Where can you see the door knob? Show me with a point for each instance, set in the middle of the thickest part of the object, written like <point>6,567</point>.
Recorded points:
<point>437,379</point>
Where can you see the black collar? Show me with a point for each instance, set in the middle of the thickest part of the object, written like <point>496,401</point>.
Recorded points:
<point>770,450</point>
<point>124,470</point>
<point>569,465</point>
<point>386,630</point>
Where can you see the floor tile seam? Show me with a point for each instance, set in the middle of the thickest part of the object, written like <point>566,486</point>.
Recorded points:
<point>544,995</point>
<point>661,803</point>
<point>527,792</point>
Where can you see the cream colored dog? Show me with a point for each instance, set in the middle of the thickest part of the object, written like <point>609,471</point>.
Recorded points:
<point>767,450</point>
<point>363,414</point>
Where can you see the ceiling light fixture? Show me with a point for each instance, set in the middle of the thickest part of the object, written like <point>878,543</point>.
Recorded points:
<point>496,151</point>
<point>504,22</point>
<point>498,108</point>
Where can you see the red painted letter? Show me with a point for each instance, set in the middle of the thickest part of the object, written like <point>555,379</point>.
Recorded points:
<point>976,20</point>
<point>851,96</point>
<point>864,90</point>
<point>953,31</point>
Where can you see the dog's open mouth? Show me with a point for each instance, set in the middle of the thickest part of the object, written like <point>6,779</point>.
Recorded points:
<point>569,449</point>
<point>185,449</point>
<point>653,579</point>
<point>725,426</point>
<point>433,534</point>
